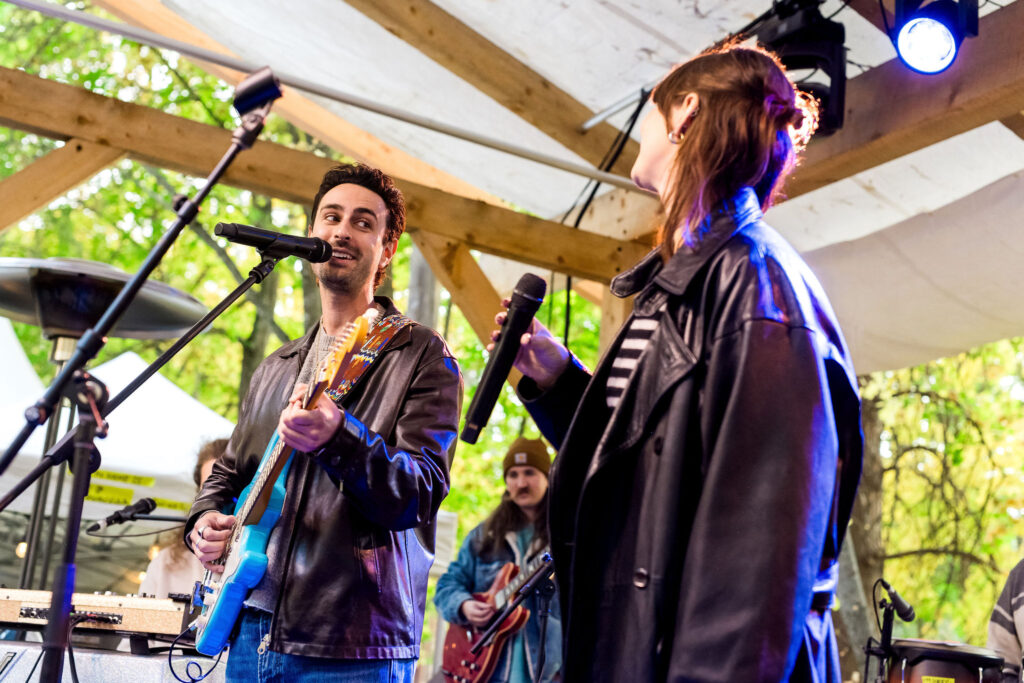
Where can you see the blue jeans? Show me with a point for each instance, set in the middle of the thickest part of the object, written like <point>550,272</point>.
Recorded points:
<point>247,664</point>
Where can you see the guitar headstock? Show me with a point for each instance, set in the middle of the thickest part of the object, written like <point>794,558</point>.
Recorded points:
<point>339,355</point>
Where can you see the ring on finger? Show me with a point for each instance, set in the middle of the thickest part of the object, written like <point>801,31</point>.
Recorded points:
<point>201,530</point>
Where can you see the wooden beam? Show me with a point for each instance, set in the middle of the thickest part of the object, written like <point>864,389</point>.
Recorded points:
<point>892,111</point>
<point>478,61</point>
<point>61,111</point>
<point>50,177</point>
<point>614,312</point>
<point>303,112</point>
<point>459,273</point>
<point>1015,123</point>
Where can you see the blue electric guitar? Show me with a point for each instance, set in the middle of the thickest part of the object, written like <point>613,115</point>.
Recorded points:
<point>258,509</point>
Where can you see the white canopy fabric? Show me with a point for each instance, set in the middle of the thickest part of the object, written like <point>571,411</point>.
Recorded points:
<point>599,51</point>
<point>151,448</point>
<point>933,285</point>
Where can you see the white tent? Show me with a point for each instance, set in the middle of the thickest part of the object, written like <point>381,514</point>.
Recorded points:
<point>151,448</point>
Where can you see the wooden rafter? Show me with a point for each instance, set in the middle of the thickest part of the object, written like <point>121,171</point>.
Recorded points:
<point>478,61</point>
<point>60,111</point>
<point>51,176</point>
<point>892,111</point>
<point>461,275</point>
<point>300,110</point>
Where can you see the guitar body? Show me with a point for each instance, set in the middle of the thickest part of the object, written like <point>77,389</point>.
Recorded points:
<point>244,565</point>
<point>461,666</point>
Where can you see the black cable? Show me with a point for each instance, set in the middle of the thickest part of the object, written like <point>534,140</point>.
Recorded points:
<point>874,604</point>
<point>610,157</point>
<point>885,22</point>
<point>71,653</point>
<point>144,533</point>
<point>192,678</point>
<point>846,3</point>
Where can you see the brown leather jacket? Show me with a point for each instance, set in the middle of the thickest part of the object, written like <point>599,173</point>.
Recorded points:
<point>347,576</point>
<point>692,526</point>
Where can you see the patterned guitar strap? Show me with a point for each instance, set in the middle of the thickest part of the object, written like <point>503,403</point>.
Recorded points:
<point>380,334</point>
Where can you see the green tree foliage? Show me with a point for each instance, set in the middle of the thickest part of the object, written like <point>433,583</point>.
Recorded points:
<point>953,486</point>
<point>117,216</point>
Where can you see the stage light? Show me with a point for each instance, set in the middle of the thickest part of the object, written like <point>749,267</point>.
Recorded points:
<point>805,41</point>
<point>928,37</point>
<point>21,550</point>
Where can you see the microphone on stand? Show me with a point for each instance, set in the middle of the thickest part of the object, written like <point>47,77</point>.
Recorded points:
<point>275,244</point>
<point>142,506</point>
<point>904,610</point>
<point>526,299</point>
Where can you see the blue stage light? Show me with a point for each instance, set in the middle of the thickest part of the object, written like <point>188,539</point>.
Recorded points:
<point>928,39</point>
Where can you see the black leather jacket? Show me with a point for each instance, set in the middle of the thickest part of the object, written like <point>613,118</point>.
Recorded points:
<point>690,525</point>
<point>349,557</point>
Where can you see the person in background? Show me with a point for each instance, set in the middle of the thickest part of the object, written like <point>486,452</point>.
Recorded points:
<point>1006,626</point>
<point>706,470</point>
<point>516,531</point>
<point>175,569</point>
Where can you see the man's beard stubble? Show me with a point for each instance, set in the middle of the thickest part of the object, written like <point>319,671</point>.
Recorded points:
<point>350,282</point>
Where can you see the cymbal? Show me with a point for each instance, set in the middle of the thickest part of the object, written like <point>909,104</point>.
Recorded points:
<point>67,296</point>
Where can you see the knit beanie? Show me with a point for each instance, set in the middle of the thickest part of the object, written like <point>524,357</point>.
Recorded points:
<point>532,452</point>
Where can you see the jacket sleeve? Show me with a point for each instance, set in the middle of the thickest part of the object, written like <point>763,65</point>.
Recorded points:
<point>229,475</point>
<point>400,486</point>
<point>1002,626</point>
<point>553,410</point>
<point>770,460</point>
<point>456,585</point>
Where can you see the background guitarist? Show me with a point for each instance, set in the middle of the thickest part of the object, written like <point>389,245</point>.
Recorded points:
<point>514,532</point>
<point>344,593</point>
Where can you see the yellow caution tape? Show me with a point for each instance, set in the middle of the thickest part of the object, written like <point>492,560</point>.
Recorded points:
<point>133,479</point>
<point>173,504</point>
<point>115,495</point>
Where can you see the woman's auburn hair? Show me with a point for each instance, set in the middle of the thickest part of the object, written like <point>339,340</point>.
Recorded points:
<point>750,124</point>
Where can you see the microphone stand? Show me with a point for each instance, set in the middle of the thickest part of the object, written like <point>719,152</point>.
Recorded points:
<point>253,98</point>
<point>883,650</point>
<point>63,449</point>
<point>90,395</point>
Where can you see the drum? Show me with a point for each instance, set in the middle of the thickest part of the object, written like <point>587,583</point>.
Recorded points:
<point>929,661</point>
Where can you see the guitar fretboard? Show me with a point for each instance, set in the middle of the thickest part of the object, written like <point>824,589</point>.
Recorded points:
<point>522,577</point>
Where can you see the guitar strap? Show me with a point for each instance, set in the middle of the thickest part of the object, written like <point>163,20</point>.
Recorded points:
<point>380,334</point>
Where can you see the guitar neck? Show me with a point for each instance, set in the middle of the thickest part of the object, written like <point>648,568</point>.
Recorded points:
<point>532,567</point>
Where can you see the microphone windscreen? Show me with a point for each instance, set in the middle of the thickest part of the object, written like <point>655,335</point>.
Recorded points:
<point>531,286</point>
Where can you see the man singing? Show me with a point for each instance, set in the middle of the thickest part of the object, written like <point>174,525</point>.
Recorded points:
<point>345,589</point>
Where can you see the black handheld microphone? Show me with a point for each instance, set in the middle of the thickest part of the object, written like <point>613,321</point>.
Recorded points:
<point>142,506</point>
<point>275,244</point>
<point>903,608</point>
<point>526,299</point>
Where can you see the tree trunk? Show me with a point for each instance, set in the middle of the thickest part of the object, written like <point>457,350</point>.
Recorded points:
<point>866,526</point>
<point>422,291</point>
<point>254,348</point>
<point>310,296</point>
<point>862,555</point>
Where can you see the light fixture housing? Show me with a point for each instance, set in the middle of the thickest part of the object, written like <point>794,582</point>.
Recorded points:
<point>928,37</point>
<point>803,39</point>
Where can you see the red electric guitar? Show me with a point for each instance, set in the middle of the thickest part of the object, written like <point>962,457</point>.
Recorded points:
<point>459,665</point>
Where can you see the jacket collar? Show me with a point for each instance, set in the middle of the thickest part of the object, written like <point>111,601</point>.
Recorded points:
<point>303,343</point>
<point>738,212</point>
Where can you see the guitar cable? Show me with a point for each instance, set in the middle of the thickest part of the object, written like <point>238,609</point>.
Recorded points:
<point>192,677</point>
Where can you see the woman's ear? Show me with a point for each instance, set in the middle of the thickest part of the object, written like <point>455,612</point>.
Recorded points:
<point>683,114</point>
